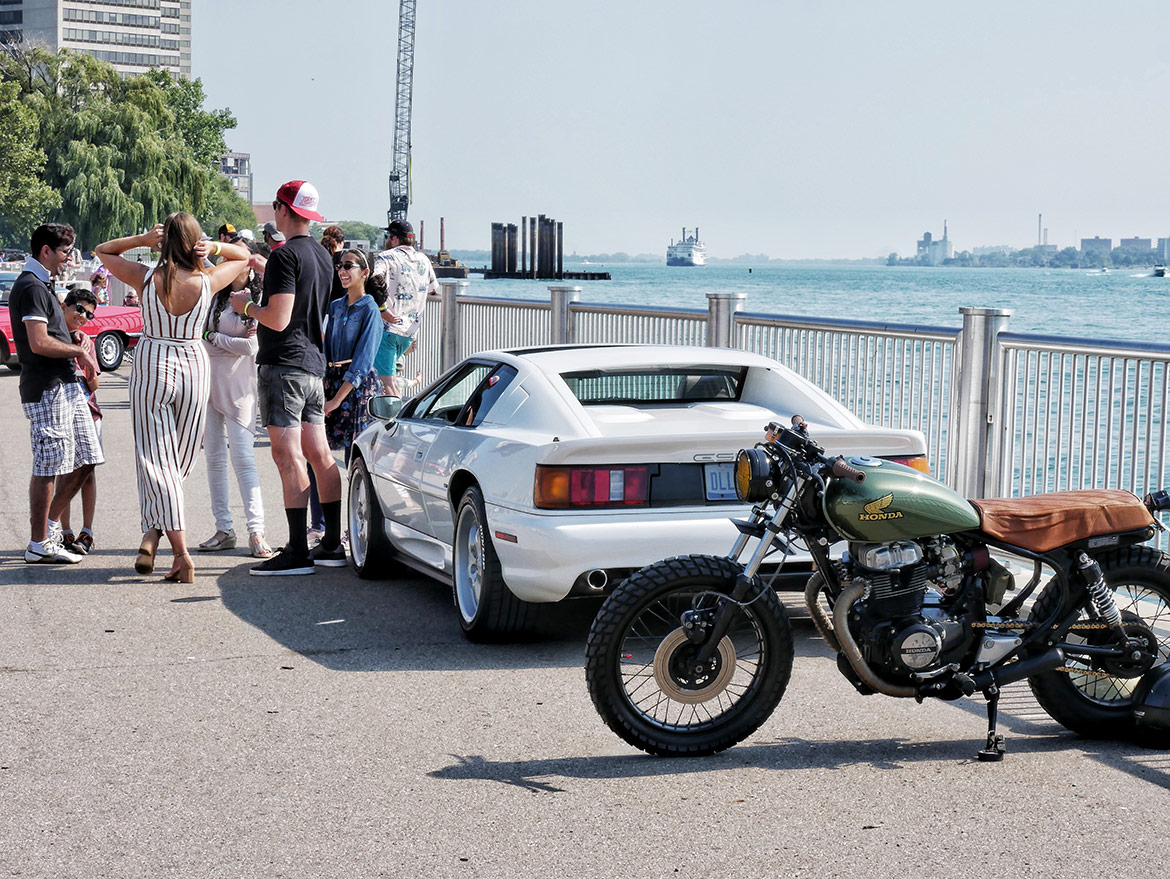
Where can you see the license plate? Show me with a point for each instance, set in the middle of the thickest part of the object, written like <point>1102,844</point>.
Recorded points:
<point>720,481</point>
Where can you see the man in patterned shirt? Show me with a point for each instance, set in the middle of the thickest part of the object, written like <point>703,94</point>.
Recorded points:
<point>409,278</point>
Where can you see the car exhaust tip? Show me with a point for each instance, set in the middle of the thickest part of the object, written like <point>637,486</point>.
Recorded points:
<point>597,579</point>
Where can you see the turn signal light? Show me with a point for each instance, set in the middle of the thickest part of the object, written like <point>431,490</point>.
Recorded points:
<point>560,488</point>
<point>917,462</point>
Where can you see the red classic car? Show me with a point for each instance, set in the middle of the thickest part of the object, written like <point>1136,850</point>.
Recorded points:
<point>113,328</point>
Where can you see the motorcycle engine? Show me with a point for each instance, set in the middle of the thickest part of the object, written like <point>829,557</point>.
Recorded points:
<point>915,617</point>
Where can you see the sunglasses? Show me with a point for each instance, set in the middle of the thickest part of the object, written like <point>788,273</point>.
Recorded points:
<point>349,266</point>
<point>81,309</point>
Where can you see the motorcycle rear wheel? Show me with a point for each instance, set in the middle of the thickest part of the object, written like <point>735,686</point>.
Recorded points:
<point>1087,700</point>
<point>636,660</point>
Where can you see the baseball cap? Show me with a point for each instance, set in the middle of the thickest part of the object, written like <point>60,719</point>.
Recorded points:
<point>270,229</point>
<point>226,229</point>
<point>301,198</point>
<point>401,229</point>
<point>248,233</point>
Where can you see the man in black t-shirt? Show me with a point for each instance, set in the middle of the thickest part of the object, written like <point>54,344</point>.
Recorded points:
<point>64,440</point>
<point>291,360</point>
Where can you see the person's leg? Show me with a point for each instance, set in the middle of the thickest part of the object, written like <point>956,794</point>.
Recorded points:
<point>316,450</point>
<point>294,482</point>
<point>215,450</point>
<point>316,514</point>
<point>40,494</point>
<point>243,457</point>
<point>68,486</point>
<point>88,501</point>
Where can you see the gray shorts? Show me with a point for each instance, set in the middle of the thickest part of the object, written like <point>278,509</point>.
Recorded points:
<point>290,396</point>
<point>62,430</point>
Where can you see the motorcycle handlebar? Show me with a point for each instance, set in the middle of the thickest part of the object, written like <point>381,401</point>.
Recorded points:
<point>845,471</point>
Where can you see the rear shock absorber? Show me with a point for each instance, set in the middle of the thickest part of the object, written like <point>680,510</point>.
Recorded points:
<point>1100,593</point>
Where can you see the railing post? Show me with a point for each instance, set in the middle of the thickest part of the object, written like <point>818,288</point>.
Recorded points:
<point>450,334</point>
<point>721,309</point>
<point>970,429</point>
<point>563,325</point>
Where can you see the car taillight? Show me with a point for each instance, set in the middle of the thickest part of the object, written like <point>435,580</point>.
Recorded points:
<point>591,486</point>
<point>918,462</point>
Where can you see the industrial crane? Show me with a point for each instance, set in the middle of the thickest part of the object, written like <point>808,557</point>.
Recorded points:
<point>400,171</point>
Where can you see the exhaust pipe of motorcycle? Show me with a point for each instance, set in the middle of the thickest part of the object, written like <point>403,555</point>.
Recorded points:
<point>597,579</point>
<point>852,652</point>
<point>812,598</point>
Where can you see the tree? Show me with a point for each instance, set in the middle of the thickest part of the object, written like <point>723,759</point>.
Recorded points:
<point>121,153</point>
<point>24,197</point>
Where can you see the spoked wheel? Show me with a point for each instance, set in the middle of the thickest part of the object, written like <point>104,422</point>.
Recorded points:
<point>1095,697</point>
<point>646,677</point>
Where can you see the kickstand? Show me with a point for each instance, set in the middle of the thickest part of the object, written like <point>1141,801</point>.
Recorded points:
<point>993,753</point>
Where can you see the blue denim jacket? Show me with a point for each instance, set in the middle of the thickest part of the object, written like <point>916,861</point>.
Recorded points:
<point>354,332</point>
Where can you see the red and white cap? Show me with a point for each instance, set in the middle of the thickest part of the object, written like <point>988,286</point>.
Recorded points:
<point>301,198</point>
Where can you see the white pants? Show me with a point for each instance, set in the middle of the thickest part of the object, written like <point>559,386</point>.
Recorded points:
<point>221,434</point>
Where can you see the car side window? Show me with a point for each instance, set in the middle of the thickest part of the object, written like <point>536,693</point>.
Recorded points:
<point>485,396</point>
<point>449,400</point>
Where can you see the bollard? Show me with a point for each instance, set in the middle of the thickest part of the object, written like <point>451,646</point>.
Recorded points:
<point>721,309</point>
<point>971,418</point>
<point>449,335</point>
<point>563,324</point>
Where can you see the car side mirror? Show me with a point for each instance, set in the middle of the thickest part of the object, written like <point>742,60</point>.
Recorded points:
<point>384,407</point>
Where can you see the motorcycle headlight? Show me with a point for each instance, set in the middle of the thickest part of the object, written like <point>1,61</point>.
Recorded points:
<point>753,475</point>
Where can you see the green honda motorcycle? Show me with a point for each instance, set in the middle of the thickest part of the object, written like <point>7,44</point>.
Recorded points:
<point>692,654</point>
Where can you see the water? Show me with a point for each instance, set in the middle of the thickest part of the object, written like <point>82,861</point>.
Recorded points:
<point>1125,304</point>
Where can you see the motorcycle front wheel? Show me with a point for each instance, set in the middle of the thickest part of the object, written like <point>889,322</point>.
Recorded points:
<point>1097,699</point>
<point>640,664</point>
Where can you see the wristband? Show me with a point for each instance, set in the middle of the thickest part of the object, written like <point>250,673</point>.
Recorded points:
<point>217,249</point>
<point>384,308</point>
<point>246,304</point>
<point>207,335</point>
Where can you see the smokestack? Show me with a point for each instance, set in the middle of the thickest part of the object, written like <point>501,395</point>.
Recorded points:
<point>442,233</point>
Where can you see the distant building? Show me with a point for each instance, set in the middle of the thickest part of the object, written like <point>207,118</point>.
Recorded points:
<point>1096,244</point>
<point>132,35</point>
<point>1163,251</point>
<point>932,252</point>
<point>1135,244</point>
<point>1047,249</point>
<point>1003,249</point>
<point>237,167</point>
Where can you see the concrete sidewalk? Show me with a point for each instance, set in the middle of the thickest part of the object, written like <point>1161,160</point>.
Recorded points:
<point>325,726</point>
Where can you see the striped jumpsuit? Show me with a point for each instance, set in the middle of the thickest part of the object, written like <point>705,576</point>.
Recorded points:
<point>169,384</point>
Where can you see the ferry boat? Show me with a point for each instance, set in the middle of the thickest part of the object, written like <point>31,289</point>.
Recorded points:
<point>689,251</point>
<point>1159,271</point>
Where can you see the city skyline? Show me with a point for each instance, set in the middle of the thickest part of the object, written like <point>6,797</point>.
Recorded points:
<point>797,131</point>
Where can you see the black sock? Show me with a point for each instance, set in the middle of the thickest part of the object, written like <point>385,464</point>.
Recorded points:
<point>332,511</point>
<point>297,542</point>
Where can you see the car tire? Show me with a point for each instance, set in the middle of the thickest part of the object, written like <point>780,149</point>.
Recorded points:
<point>109,348</point>
<point>488,611</point>
<point>370,551</point>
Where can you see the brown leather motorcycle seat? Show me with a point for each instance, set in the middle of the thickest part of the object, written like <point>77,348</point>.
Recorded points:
<point>1045,521</point>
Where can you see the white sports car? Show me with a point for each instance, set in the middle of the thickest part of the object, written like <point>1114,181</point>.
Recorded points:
<point>528,476</point>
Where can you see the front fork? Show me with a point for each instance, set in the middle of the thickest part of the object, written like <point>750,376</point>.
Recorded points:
<point>708,634</point>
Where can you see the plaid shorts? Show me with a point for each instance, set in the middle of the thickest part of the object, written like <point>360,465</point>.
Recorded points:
<point>63,433</point>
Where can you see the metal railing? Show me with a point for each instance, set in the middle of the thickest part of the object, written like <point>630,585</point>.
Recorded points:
<point>1004,414</point>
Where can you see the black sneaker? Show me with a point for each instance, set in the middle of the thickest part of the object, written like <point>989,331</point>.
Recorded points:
<point>328,558</point>
<point>282,564</point>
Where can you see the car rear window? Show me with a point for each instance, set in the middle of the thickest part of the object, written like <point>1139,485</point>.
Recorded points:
<point>656,384</point>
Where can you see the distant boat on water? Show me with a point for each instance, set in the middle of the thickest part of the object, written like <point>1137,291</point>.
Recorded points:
<point>1159,271</point>
<point>689,251</point>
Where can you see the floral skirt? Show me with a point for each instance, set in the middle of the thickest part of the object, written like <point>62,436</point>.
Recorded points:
<point>353,415</point>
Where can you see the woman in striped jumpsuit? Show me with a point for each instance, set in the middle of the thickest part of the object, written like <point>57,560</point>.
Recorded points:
<point>169,379</point>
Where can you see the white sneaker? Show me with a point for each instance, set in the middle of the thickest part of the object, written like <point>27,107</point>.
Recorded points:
<point>55,534</point>
<point>50,553</point>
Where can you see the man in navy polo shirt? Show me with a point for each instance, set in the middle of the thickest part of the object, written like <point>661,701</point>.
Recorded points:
<point>64,440</point>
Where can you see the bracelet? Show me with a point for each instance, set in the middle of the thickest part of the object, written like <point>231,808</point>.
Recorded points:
<point>217,249</point>
<point>384,308</point>
<point>246,304</point>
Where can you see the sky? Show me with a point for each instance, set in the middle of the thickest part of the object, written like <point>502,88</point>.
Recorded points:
<point>799,130</point>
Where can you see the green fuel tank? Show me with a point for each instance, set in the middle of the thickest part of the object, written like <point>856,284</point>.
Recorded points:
<point>895,502</point>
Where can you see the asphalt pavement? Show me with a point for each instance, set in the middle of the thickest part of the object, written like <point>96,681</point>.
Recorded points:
<point>326,726</point>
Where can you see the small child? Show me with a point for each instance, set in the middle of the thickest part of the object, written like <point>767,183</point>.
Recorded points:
<point>79,306</point>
